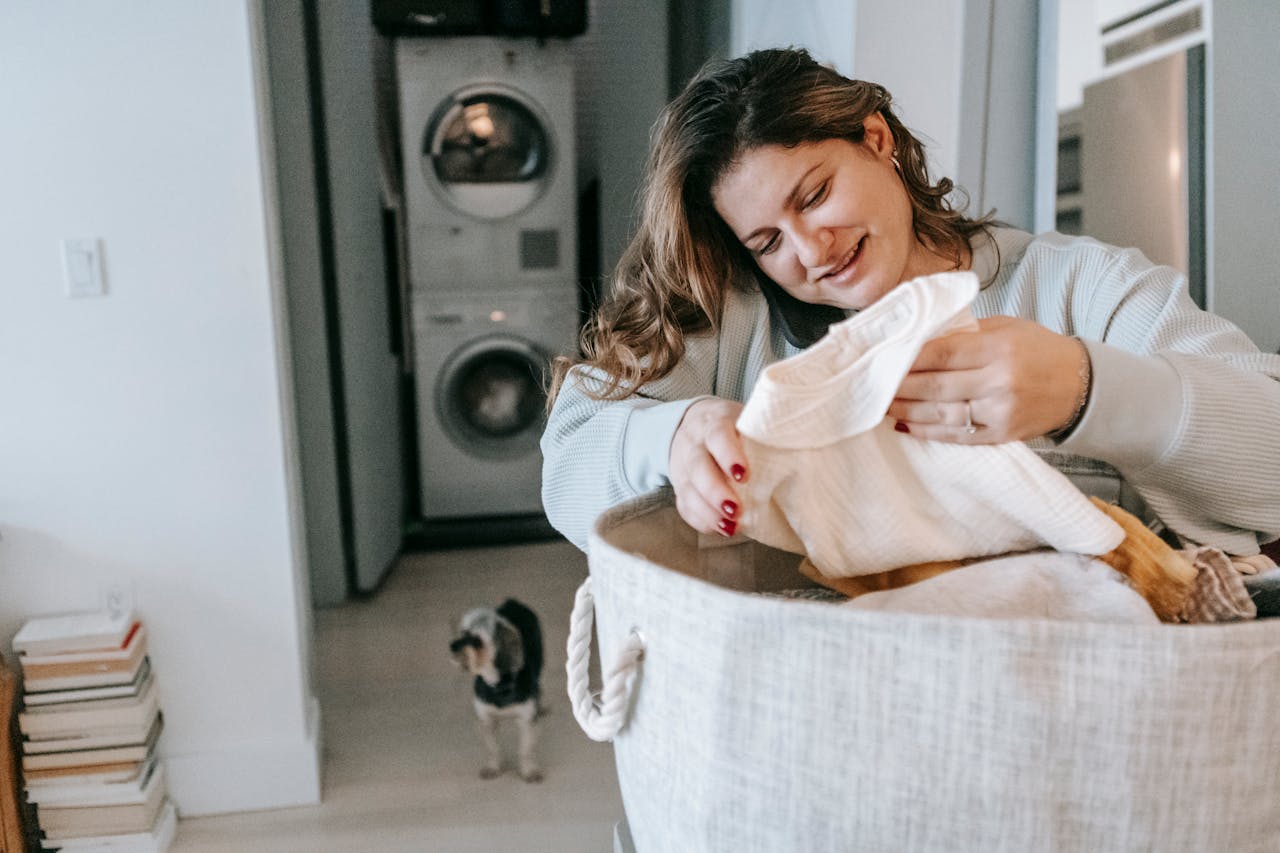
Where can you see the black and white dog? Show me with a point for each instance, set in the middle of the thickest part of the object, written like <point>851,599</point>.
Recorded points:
<point>502,648</point>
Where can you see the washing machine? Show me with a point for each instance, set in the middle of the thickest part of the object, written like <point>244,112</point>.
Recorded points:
<point>488,174</point>
<point>482,364</point>
<point>487,145</point>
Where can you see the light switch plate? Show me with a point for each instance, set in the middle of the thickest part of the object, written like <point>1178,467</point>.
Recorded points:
<point>82,266</point>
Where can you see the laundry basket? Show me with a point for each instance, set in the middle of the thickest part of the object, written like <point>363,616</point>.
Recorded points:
<point>745,721</point>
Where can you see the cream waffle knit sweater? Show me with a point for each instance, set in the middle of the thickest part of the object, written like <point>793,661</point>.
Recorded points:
<point>831,478</point>
<point>1184,412</point>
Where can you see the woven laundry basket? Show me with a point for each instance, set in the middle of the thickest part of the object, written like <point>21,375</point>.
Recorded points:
<point>753,722</point>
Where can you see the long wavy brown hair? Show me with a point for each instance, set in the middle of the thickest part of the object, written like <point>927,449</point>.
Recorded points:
<point>671,279</point>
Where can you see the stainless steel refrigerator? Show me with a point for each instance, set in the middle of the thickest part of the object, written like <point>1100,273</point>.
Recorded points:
<point>1143,162</point>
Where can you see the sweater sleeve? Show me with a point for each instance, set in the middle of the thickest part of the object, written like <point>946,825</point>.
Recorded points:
<point>1184,406</point>
<point>597,453</point>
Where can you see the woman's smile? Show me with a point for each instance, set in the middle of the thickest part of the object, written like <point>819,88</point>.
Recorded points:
<point>842,274</point>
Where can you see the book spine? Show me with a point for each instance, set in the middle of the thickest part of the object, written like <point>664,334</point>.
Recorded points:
<point>66,670</point>
<point>90,633</point>
<point>113,651</point>
<point>51,724</point>
<point>75,682</point>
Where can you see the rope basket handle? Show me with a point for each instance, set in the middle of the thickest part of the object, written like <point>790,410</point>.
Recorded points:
<point>602,720</point>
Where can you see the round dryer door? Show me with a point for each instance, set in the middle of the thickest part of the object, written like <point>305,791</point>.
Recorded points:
<point>490,397</point>
<point>488,152</point>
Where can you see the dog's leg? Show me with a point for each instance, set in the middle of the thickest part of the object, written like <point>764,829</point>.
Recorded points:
<point>527,721</point>
<point>489,735</point>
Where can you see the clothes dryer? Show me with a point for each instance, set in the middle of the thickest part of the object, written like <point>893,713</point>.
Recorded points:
<point>487,141</point>
<point>487,148</point>
<point>482,361</point>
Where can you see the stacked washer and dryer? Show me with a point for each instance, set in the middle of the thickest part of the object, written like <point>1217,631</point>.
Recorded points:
<point>487,144</point>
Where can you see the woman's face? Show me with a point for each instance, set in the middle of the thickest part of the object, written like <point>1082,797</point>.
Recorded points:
<point>829,221</point>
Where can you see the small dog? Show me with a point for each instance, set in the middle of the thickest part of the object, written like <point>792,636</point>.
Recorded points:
<point>502,648</point>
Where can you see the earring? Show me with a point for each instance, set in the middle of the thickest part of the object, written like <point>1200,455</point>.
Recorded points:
<point>893,158</point>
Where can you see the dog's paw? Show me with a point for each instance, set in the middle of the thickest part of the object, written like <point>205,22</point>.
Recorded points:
<point>532,774</point>
<point>490,772</point>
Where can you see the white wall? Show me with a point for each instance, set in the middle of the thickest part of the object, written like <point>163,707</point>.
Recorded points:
<point>144,437</point>
<point>621,82</point>
<point>1079,50</point>
<point>1242,125</point>
<point>1000,138</point>
<point>913,50</point>
<point>826,28</point>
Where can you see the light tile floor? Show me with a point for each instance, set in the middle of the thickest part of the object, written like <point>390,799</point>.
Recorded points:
<point>401,754</point>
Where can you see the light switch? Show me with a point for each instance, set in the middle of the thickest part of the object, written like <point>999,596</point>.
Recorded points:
<point>82,267</point>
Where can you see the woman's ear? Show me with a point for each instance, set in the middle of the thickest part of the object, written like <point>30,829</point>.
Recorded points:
<point>878,137</point>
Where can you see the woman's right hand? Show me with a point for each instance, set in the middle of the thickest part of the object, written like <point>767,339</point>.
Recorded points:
<point>706,459</point>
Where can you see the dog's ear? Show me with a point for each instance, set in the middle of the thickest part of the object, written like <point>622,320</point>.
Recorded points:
<point>508,650</point>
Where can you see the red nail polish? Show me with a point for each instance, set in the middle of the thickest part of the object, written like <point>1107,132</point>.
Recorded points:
<point>901,427</point>
<point>727,526</point>
<point>729,508</point>
<point>738,472</point>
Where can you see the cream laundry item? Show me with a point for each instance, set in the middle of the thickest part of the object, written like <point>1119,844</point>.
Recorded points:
<point>832,479</point>
<point>1034,585</point>
<point>1256,564</point>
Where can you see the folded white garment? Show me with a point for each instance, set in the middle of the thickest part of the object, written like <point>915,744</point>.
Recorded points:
<point>1037,585</point>
<point>830,478</point>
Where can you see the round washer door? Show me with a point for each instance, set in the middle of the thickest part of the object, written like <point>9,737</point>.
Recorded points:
<point>490,396</point>
<point>488,151</point>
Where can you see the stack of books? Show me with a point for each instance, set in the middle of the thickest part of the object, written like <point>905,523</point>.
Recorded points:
<point>89,724</point>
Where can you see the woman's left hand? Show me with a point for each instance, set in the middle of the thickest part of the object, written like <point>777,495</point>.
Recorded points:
<point>1009,381</point>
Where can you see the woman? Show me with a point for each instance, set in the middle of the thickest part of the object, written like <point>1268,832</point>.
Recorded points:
<point>780,196</point>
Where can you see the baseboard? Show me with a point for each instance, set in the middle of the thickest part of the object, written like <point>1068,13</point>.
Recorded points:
<point>429,534</point>
<point>254,776</point>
